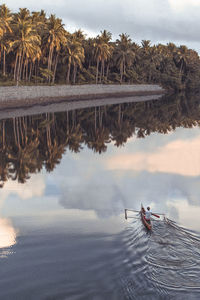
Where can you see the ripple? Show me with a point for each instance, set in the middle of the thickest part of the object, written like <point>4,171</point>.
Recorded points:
<point>165,263</point>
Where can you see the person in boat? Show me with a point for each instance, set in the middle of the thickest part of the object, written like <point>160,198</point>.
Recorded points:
<point>148,214</point>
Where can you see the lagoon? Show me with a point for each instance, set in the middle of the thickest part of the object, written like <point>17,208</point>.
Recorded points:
<point>66,178</point>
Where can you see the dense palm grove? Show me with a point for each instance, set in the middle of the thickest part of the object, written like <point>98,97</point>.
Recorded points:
<point>36,49</point>
<point>29,144</point>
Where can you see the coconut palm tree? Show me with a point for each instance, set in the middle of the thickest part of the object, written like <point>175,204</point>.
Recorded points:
<point>74,54</point>
<point>103,52</point>
<point>26,43</point>
<point>124,54</point>
<point>5,28</point>
<point>55,36</point>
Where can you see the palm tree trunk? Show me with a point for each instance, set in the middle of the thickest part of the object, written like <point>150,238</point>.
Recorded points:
<point>4,62</point>
<point>15,69</point>
<point>24,68</point>
<point>30,71</point>
<point>21,65</point>
<point>50,60</point>
<point>74,73</point>
<point>107,71</point>
<point>55,68</point>
<point>121,72</point>
<point>101,72</point>
<point>68,73</point>
<point>27,70</point>
<point>18,67</point>
<point>97,70</point>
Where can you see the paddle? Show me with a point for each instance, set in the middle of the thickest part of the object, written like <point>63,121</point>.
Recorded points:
<point>155,215</point>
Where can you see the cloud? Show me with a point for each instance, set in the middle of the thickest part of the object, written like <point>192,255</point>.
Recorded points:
<point>178,157</point>
<point>158,20</point>
<point>181,5</point>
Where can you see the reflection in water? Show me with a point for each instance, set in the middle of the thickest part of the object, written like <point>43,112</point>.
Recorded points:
<point>177,157</point>
<point>30,143</point>
<point>7,236</point>
<point>71,232</point>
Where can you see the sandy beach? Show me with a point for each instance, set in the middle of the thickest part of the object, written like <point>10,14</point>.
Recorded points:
<point>25,96</point>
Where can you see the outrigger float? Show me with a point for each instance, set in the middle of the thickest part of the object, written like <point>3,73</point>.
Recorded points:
<point>147,223</point>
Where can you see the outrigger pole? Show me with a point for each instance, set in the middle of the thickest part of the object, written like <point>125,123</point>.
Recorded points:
<point>127,209</point>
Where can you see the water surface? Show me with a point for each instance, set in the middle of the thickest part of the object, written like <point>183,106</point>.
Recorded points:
<point>66,179</point>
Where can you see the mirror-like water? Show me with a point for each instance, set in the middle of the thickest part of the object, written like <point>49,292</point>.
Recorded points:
<point>66,179</point>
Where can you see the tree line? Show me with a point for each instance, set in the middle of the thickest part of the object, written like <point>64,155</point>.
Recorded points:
<point>36,49</point>
<point>30,143</point>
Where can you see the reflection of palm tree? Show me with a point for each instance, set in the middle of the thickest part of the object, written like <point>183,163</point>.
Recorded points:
<point>27,144</point>
<point>4,173</point>
<point>98,140</point>
<point>74,139</point>
<point>24,162</point>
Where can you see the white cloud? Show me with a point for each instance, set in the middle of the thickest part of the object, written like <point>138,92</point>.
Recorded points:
<point>178,157</point>
<point>157,20</point>
<point>183,4</point>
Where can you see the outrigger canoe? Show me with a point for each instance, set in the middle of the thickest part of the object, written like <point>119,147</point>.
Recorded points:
<point>146,223</point>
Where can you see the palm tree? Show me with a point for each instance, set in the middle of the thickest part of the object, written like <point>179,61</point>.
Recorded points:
<point>26,42</point>
<point>55,36</point>
<point>181,57</point>
<point>102,52</point>
<point>5,28</point>
<point>74,54</point>
<point>124,54</point>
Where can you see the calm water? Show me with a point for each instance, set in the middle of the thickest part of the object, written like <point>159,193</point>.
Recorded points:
<point>66,179</point>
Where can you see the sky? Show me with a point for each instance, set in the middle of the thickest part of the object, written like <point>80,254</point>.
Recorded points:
<point>160,21</point>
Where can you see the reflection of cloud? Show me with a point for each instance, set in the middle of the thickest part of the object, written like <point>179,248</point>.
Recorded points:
<point>188,214</point>
<point>35,186</point>
<point>7,234</point>
<point>100,194</point>
<point>109,192</point>
<point>173,212</point>
<point>179,157</point>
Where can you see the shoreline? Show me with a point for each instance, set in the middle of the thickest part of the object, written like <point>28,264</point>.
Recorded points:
<point>27,96</point>
<point>38,109</point>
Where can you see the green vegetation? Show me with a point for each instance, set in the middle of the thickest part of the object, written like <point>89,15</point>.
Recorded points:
<point>36,49</point>
<point>30,143</point>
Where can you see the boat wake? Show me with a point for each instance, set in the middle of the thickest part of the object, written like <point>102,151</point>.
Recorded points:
<point>163,264</point>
